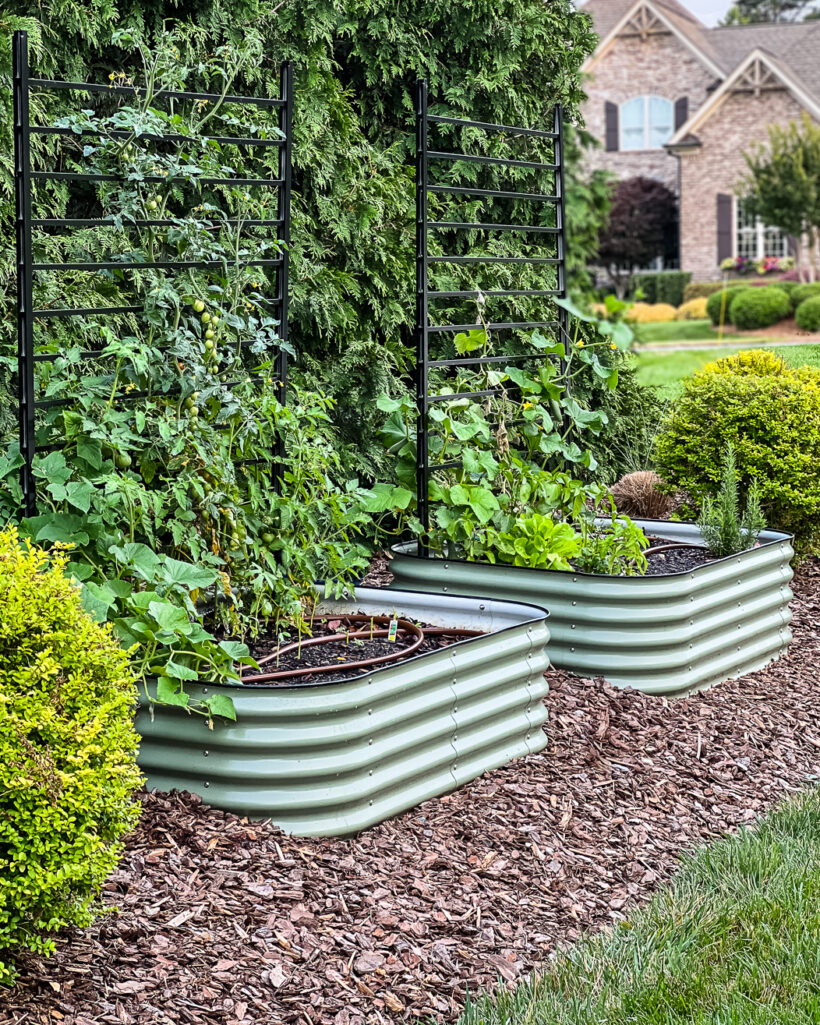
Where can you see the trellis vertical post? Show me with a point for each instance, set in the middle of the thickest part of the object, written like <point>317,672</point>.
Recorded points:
<point>25,300</point>
<point>563,316</point>
<point>422,354</point>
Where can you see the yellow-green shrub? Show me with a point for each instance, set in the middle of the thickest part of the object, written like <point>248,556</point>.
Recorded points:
<point>67,751</point>
<point>650,313</point>
<point>694,309</point>
<point>771,415</point>
<point>757,362</point>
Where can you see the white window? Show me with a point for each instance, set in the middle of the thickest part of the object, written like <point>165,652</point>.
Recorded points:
<point>647,122</point>
<point>754,240</point>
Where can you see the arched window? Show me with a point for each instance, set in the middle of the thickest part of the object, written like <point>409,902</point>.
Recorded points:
<point>647,122</point>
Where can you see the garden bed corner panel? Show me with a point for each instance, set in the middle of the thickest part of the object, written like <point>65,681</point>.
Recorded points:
<point>335,758</point>
<point>670,634</point>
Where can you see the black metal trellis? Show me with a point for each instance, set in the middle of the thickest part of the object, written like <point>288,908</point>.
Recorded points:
<point>27,267</point>
<point>423,261</point>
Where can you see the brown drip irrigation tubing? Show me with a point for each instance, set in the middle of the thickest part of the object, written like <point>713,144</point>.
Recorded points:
<point>404,625</point>
<point>677,544</point>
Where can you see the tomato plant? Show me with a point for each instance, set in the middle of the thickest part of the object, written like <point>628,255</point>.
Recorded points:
<point>160,435</point>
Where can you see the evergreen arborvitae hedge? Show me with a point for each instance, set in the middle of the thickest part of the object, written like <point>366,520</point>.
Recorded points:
<point>356,61</point>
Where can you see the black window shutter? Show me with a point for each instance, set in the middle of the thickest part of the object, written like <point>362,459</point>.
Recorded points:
<point>724,226</point>
<point>681,111</point>
<point>611,113</point>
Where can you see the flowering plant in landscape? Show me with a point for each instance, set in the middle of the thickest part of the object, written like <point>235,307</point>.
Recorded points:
<point>767,265</point>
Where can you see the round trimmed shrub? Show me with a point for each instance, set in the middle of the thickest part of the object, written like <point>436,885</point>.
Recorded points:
<point>803,292</point>
<point>807,314</point>
<point>67,751</point>
<point>773,421</point>
<point>715,301</point>
<point>754,308</point>
<point>694,309</point>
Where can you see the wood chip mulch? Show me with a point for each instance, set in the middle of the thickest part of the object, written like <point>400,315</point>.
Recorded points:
<point>225,922</point>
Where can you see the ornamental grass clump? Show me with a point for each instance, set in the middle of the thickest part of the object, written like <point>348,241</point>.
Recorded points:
<point>770,414</point>
<point>67,751</point>
<point>726,530</point>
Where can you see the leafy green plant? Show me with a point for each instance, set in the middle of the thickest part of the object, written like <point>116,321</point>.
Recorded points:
<point>506,463</point>
<point>536,541</point>
<point>726,530</point>
<point>67,751</point>
<point>759,307</point>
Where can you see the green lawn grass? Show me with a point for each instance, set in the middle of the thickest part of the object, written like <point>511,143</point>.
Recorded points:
<point>665,370</point>
<point>733,940</point>
<point>680,331</point>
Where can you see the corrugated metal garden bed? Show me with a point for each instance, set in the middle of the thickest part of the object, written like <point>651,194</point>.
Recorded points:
<point>666,634</point>
<point>334,758</point>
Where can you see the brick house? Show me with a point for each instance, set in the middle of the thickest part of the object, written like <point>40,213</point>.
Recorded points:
<point>671,99</point>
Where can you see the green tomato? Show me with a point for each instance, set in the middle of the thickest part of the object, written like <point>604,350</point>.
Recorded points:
<point>199,305</point>
<point>215,321</point>
<point>151,204</point>
<point>189,403</point>
<point>268,538</point>
<point>205,318</point>
<point>209,346</point>
<point>193,412</point>
<point>122,460</point>
<point>210,334</point>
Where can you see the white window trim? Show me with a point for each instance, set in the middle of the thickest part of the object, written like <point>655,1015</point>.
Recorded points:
<point>760,235</point>
<point>647,128</point>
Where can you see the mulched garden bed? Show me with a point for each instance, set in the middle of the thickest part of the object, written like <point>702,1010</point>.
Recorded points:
<point>225,921</point>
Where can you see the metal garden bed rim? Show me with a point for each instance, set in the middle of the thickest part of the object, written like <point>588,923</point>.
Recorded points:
<point>409,550</point>
<point>538,615</point>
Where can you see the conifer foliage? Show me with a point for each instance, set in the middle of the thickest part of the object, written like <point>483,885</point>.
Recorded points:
<point>352,283</point>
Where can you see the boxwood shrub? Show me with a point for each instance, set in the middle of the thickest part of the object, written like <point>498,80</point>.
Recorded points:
<point>715,300</point>
<point>807,314</point>
<point>771,415</point>
<point>67,751</point>
<point>759,307</point>
<point>803,292</point>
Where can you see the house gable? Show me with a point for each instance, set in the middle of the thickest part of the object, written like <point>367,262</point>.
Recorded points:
<point>759,73</point>
<point>645,18</point>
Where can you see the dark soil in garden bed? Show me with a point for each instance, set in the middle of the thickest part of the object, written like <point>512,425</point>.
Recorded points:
<point>222,921</point>
<point>340,645</point>
<point>675,560</point>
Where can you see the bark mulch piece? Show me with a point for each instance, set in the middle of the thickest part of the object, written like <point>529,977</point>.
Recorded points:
<point>223,922</point>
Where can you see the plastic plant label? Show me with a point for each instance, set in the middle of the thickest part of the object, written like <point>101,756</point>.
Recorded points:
<point>393,630</point>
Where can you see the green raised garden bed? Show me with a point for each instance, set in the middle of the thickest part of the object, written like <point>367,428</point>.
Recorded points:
<point>669,634</point>
<point>327,759</point>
